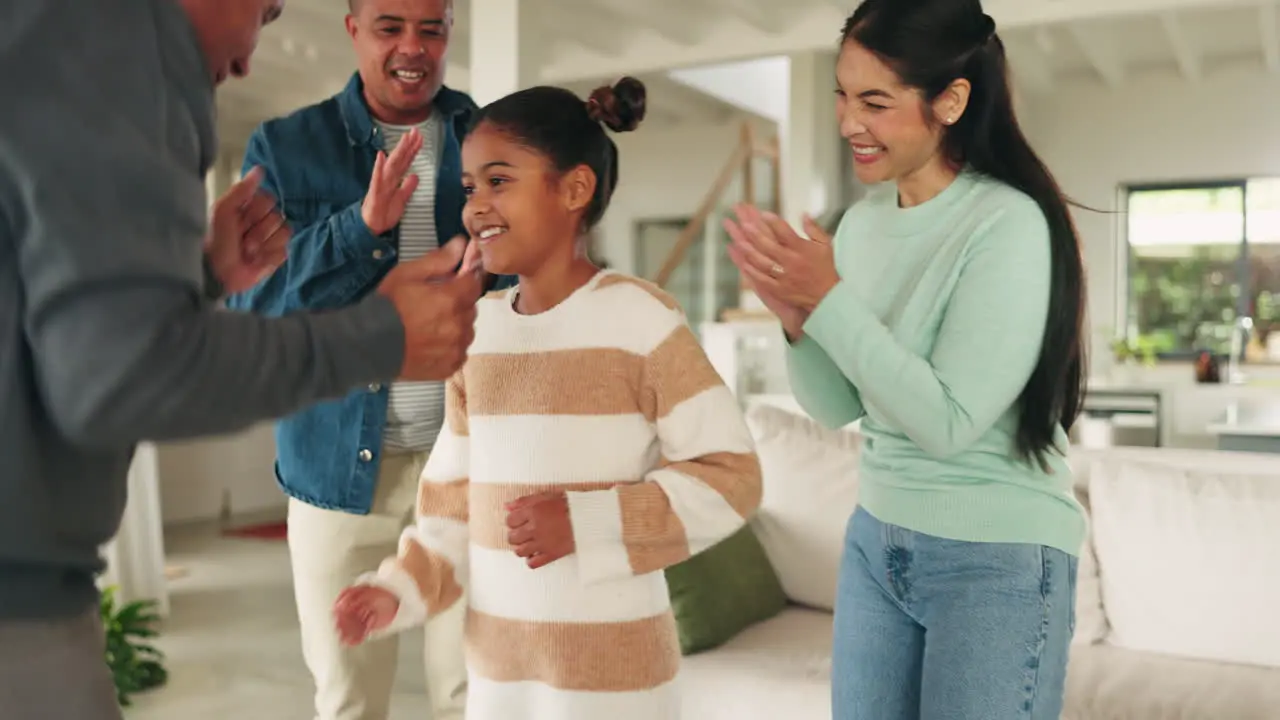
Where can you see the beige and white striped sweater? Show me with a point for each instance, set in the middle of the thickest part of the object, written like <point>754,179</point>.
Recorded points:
<point>609,397</point>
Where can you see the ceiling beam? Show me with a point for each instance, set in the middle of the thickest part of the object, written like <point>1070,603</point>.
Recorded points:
<point>724,42</point>
<point>1023,13</point>
<point>769,18</point>
<point>679,39</point>
<point>814,27</point>
<point>1098,48</point>
<point>1267,24</point>
<point>583,23</point>
<point>593,42</point>
<point>1188,56</point>
<point>676,20</point>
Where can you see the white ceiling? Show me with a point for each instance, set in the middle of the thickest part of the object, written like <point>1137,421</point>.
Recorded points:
<point>307,56</point>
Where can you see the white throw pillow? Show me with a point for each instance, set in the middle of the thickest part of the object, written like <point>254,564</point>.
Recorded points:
<point>1185,555</point>
<point>810,491</point>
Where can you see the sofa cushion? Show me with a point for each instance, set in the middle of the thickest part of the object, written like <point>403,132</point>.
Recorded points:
<point>1110,683</point>
<point>778,669</point>
<point>1091,617</point>
<point>723,590</point>
<point>810,491</point>
<point>1181,542</point>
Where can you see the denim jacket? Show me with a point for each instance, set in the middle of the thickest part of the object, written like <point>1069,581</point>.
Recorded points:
<point>318,162</point>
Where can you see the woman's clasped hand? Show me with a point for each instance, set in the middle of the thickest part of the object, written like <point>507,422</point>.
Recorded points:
<point>789,272</point>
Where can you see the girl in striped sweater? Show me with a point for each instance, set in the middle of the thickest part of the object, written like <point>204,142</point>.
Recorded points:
<point>588,443</point>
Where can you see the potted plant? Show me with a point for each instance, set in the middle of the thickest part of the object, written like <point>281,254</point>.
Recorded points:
<point>136,665</point>
<point>1121,350</point>
<point>1146,352</point>
<point>1129,355</point>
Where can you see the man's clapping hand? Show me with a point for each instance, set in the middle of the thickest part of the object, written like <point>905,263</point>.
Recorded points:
<point>437,304</point>
<point>248,236</point>
<point>392,185</point>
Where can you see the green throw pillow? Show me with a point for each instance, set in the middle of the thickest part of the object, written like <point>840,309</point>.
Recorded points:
<point>722,591</point>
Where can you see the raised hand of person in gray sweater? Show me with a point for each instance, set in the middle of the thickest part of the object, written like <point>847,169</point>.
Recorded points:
<point>109,331</point>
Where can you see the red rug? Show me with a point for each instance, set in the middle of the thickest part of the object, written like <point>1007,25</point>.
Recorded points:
<point>264,531</point>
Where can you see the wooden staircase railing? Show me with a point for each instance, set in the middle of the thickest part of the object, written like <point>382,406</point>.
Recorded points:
<point>740,161</point>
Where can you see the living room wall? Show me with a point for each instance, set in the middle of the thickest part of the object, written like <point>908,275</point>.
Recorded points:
<point>1156,128</point>
<point>665,172</point>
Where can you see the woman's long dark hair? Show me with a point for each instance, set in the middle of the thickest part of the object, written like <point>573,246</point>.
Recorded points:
<point>930,44</point>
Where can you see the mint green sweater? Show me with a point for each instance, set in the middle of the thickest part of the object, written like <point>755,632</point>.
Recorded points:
<point>929,338</point>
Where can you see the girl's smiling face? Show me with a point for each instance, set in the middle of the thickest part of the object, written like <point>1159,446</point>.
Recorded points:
<point>520,209</point>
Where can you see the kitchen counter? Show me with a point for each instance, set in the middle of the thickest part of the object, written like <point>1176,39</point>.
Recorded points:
<point>1248,427</point>
<point>1127,405</point>
<point>1258,419</point>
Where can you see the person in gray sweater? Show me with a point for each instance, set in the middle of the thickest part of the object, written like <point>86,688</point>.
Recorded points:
<point>110,333</point>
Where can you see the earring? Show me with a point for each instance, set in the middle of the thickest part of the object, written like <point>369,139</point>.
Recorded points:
<point>951,121</point>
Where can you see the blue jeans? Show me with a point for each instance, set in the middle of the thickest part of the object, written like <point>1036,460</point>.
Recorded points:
<point>935,629</point>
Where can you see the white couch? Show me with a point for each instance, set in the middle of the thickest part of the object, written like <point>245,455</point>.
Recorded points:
<point>1178,604</point>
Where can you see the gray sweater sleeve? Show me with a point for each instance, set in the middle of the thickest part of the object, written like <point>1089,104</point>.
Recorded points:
<point>100,189</point>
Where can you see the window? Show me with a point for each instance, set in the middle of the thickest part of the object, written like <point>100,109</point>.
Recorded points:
<point>1200,256</point>
<point>654,242</point>
<point>703,286</point>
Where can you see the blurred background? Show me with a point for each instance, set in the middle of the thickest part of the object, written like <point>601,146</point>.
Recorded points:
<point>1159,115</point>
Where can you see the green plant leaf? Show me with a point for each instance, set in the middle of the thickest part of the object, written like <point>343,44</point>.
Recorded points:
<point>135,666</point>
<point>148,651</point>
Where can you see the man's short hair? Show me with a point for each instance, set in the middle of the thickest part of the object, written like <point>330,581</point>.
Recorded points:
<point>354,5</point>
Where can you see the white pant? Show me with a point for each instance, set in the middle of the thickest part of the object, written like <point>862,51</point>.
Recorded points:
<point>329,549</point>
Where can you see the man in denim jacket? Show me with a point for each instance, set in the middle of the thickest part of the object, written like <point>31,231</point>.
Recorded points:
<point>366,178</point>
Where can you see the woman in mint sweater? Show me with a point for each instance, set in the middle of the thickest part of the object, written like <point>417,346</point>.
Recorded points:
<point>946,315</point>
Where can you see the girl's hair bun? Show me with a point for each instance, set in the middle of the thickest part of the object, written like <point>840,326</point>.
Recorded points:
<point>619,106</point>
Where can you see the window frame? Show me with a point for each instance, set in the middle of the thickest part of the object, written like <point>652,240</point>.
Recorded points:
<point>1125,260</point>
